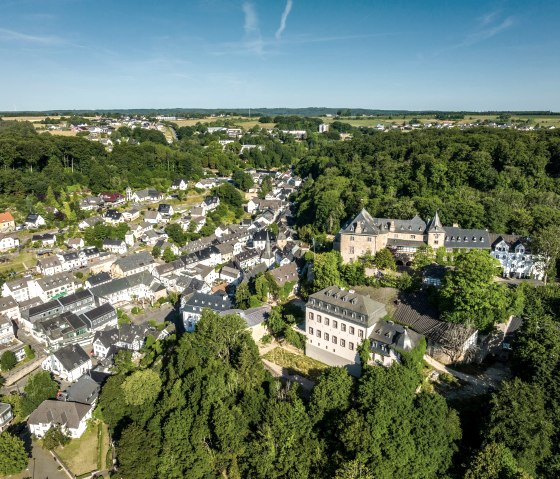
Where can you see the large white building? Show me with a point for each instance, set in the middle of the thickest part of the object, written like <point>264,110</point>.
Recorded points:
<point>336,322</point>
<point>517,260</point>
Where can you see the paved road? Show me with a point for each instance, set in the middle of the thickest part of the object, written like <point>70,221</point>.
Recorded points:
<point>41,464</point>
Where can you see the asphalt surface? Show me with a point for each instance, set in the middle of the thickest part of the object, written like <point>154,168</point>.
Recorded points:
<point>42,465</point>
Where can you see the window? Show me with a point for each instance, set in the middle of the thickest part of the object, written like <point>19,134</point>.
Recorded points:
<point>343,327</point>
<point>334,339</point>
<point>311,316</point>
<point>311,331</point>
<point>360,333</point>
<point>342,342</point>
<point>351,238</point>
<point>318,318</point>
<point>318,333</point>
<point>351,330</point>
<point>351,250</point>
<point>351,346</point>
<point>334,323</point>
<point>369,239</point>
<point>326,336</point>
<point>327,321</point>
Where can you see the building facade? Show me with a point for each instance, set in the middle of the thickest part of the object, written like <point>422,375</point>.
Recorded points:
<point>365,234</point>
<point>336,323</point>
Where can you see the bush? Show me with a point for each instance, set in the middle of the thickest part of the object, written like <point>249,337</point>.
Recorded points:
<point>29,353</point>
<point>294,338</point>
<point>8,361</point>
<point>266,339</point>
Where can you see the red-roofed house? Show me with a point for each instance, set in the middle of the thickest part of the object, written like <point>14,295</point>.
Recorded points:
<point>7,223</point>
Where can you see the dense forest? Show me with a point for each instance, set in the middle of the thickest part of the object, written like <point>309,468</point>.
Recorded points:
<point>204,407</point>
<point>207,408</point>
<point>504,180</point>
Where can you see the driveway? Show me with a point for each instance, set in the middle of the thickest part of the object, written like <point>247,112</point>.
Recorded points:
<point>42,464</point>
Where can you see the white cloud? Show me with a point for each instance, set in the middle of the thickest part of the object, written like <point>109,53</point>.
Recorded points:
<point>487,33</point>
<point>254,42</point>
<point>251,18</point>
<point>283,19</point>
<point>12,35</point>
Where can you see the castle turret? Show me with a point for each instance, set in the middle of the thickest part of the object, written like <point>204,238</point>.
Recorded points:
<point>436,232</point>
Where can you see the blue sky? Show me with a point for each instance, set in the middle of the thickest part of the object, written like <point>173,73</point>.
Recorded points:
<point>392,54</point>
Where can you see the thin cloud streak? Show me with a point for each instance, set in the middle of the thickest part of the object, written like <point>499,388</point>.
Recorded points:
<point>12,35</point>
<point>284,19</point>
<point>481,35</point>
<point>254,43</point>
<point>251,20</point>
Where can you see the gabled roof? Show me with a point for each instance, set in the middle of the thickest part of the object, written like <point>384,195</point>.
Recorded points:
<point>6,217</point>
<point>363,223</point>
<point>84,391</point>
<point>67,414</point>
<point>134,261</point>
<point>71,356</point>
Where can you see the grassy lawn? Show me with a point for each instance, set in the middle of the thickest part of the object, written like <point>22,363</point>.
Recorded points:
<point>83,455</point>
<point>296,363</point>
<point>19,262</point>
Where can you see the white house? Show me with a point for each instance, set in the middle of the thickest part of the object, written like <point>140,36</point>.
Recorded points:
<point>49,265</point>
<point>69,362</point>
<point>34,221</point>
<point>6,330</point>
<point>72,417</point>
<point>179,184</point>
<point>8,242</point>
<point>114,246</point>
<point>517,260</point>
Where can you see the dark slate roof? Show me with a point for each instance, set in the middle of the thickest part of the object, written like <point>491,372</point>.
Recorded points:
<point>31,218</point>
<point>395,335</point>
<point>121,284</point>
<point>285,273</point>
<point>189,284</point>
<point>113,214</point>
<point>85,294</point>
<point>113,242</point>
<point>71,356</point>
<point>96,313</point>
<point>7,303</point>
<point>56,280</point>
<point>164,208</point>
<point>343,303</point>
<point>99,278</point>
<point>415,312</point>
<point>466,238</point>
<point>196,302</point>
<point>84,391</point>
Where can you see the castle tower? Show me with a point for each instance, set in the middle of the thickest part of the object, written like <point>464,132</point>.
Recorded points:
<point>436,232</point>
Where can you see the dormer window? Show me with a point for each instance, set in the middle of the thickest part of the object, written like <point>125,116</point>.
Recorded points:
<point>465,239</point>
<point>481,239</point>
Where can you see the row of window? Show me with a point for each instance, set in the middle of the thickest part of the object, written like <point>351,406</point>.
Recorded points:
<point>333,339</point>
<point>326,320</point>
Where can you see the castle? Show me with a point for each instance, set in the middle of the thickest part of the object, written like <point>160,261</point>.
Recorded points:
<point>367,234</point>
